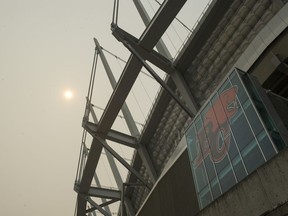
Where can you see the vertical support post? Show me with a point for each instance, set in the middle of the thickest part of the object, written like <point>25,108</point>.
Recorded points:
<point>129,119</point>
<point>176,76</point>
<point>122,199</point>
<point>82,163</point>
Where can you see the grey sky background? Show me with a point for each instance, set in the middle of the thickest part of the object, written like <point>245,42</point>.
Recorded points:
<point>47,47</point>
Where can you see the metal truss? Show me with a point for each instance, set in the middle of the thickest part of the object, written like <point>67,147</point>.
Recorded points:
<point>129,119</point>
<point>175,75</point>
<point>158,79</point>
<point>112,135</point>
<point>101,130</point>
<point>131,43</point>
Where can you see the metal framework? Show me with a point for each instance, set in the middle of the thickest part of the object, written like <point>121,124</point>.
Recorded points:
<point>142,50</point>
<point>175,75</point>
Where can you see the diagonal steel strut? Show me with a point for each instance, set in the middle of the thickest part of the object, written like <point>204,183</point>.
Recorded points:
<point>152,34</point>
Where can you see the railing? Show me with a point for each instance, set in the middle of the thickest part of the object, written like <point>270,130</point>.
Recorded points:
<point>82,158</point>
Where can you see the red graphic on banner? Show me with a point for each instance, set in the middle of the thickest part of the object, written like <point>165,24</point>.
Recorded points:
<point>214,138</point>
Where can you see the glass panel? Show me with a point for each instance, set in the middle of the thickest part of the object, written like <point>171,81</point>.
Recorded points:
<point>241,130</point>
<point>252,117</point>
<point>221,143</point>
<point>266,145</point>
<point>205,197</point>
<point>202,143</point>
<point>239,168</point>
<point>233,151</point>
<point>219,133</point>
<point>210,168</point>
<point>192,144</point>
<point>252,156</point>
<point>215,187</point>
<point>227,179</point>
<point>211,130</point>
<point>233,73</point>
<point>200,176</point>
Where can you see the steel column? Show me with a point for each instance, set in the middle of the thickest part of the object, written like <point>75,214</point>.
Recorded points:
<point>176,75</point>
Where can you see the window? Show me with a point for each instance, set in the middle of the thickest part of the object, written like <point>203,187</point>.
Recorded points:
<point>227,139</point>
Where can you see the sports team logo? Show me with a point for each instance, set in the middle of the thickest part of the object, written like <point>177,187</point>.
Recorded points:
<point>213,139</point>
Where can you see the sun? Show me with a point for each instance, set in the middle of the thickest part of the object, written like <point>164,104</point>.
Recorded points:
<point>68,94</point>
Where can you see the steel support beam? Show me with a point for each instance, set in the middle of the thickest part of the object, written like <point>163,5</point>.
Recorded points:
<point>160,46</point>
<point>81,205</point>
<point>160,22</point>
<point>148,39</point>
<point>185,92</point>
<point>174,74</point>
<point>122,161</point>
<point>142,151</point>
<point>105,204</point>
<point>104,193</point>
<point>98,207</point>
<point>117,156</point>
<point>158,79</point>
<point>106,208</point>
<point>112,135</point>
<point>122,200</point>
<point>162,63</point>
<point>100,192</point>
<point>111,161</point>
<point>113,166</point>
<point>91,163</point>
<point>108,203</point>
<point>151,56</point>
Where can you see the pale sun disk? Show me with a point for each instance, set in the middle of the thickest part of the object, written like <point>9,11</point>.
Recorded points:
<point>68,94</point>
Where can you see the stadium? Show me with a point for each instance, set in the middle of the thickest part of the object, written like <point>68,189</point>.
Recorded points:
<point>215,141</point>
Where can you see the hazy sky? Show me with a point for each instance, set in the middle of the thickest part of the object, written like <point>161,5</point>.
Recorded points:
<point>46,47</point>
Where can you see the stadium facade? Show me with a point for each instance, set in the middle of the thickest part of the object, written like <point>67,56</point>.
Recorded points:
<point>215,142</point>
